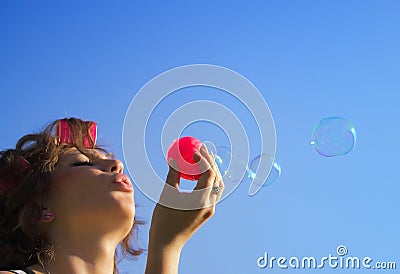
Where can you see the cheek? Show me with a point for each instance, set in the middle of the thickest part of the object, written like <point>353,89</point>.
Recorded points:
<point>71,190</point>
<point>82,196</point>
<point>68,182</point>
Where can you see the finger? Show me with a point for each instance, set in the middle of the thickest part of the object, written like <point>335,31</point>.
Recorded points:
<point>221,190</point>
<point>208,177</point>
<point>216,197</point>
<point>222,184</point>
<point>218,182</point>
<point>201,161</point>
<point>215,167</point>
<point>173,177</point>
<point>209,157</point>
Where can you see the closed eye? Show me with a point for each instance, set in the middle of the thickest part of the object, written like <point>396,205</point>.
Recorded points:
<point>83,163</point>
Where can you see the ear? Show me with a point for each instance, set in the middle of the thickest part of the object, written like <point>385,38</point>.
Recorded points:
<point>47,215</point>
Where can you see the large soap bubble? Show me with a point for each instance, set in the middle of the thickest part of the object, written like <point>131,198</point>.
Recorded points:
<point>257,173</point>
<point>230,165</point>
<point>333,136</point>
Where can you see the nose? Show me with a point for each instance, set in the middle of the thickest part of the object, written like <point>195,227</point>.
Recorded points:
<point>113,165</point>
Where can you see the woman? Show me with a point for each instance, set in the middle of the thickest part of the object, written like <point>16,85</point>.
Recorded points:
<point>66,205</point>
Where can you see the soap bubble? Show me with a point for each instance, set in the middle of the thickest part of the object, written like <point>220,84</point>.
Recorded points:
<point>333,136</point>
<point>232,169</point>
<point>258,174</point>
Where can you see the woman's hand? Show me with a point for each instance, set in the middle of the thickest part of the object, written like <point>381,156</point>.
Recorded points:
<point>172,227</point>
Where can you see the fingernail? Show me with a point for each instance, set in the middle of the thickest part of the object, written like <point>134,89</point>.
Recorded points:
<point>196,156</point>
<point>212,155</point>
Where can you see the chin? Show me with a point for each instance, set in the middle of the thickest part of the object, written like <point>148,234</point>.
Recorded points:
<point>127,219</point>
<point>124,205</point>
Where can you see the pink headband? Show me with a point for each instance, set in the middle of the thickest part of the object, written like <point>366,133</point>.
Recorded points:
<point>63,134</point>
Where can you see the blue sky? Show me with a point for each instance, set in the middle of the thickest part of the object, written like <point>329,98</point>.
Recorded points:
<point>309,59</point>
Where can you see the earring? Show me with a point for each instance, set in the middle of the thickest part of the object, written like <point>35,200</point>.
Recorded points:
<point>47,215</point>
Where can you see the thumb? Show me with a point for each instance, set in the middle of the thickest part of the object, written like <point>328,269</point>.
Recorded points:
<point>173,177</point>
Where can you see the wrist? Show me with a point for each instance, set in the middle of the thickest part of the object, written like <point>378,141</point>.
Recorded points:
<point>165,241</point>
<point>163,258</point>
<point>164,244</point>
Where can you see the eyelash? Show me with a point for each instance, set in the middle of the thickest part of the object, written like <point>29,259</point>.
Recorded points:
<point>85,163</point>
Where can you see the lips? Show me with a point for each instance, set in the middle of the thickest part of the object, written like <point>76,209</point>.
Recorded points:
<point>123,182</point>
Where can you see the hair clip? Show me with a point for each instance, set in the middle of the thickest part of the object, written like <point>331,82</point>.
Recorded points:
<point>6,185</point>
<point>25,164</point>
<point>63,134</point>
<point>9,180</point>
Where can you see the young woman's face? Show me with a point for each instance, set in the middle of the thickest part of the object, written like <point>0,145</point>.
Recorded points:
<point>91,191</point>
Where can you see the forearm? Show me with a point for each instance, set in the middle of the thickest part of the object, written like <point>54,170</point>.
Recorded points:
<point>162,259</point>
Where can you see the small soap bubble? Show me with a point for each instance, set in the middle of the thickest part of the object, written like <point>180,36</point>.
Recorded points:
<point>259,174</point>
<point>333,136</point>
<point>232,169</point>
